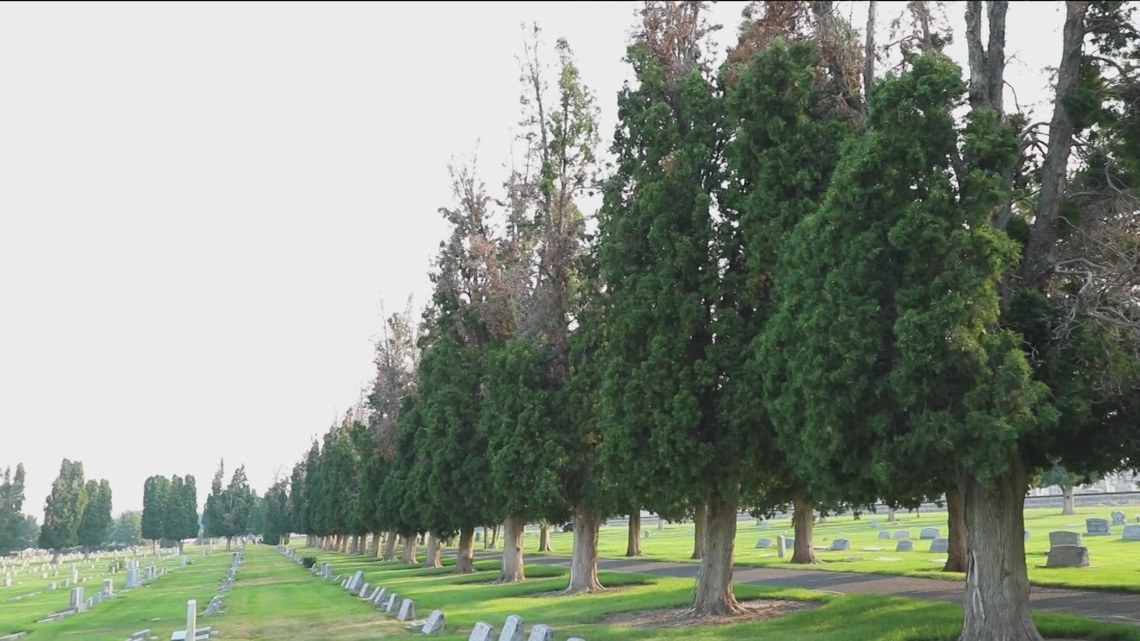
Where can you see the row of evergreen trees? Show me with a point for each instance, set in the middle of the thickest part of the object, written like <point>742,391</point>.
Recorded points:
<point>77,513</point>
<point>170,509</point>
<point>806,286</point>
<point>17,530</point>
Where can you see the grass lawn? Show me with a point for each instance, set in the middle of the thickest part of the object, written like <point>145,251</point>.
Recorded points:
<point>274,598</point>
<point>1115,563</point>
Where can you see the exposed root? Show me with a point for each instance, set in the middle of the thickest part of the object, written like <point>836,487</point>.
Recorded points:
<point>746,611</point>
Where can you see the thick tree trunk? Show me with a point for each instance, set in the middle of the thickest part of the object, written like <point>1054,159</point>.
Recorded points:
<point>465,555</point>
<point>997,582</point>
<point>1068,505</point>
<point>956,532</point>
<point>803,519</point>
<point>891,518</point>
<point>700,516</point>
<point>513,571</point>
<point>375,552</point>
<point>390,547</point>
<point>409,557</point>
<point>229,541</point>
<point>154,546</point>
<point>544,537</point>
<point>432,559</point>
<point>584,561</point>
<point>714,594</point>
<point>633,542</point>
<point>486,538</point>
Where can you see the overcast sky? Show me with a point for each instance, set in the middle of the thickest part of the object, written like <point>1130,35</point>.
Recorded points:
<point>203,207</point>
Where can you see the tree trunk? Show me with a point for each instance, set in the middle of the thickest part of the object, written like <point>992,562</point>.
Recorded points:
<point>55,554</point>
<point>714,594</point>
<point>1068,505</point>
<point>494,536</point>
<point>544,537</point>
<point>409,557</point>
<point>390,547</point>
<point>997,582</point>
<point>700,516</point>
<point>375,552</point>
<point>513,550</point>
<point>486,538</point>
<point>229,540</point>
<point>584,561</point>
<point>891,518</point>
<point>804,521</point>
<point>956,532</point>
<point>154,546</point>
<point>432,559</point>
<point>633,545</point>
<point>465,555</point>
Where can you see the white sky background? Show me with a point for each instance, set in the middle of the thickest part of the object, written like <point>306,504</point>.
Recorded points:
<point>204,205</point>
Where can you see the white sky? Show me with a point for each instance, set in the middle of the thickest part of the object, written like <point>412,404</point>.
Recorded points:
<point>204,205</point>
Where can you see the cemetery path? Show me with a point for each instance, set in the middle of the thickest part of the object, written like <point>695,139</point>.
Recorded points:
<point>1112,607</point>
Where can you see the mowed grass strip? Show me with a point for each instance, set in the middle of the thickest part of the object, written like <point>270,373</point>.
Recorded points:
<point>37,601</point>
<point>1115,563</point>
<point>471,598</point>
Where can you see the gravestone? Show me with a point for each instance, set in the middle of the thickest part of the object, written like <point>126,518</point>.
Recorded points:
<point>512,629</point>
<point>1067,556</point>
<point>407,610</point>
<point>781,546</point>
<point>874,524</point>
<point>8,582</point>
<point>435,623</point>
<point>763,525</point>
<point>928,533</point>
<point>1097,527</point>
<point>764,543</point>
<point>1131,533</point>
<point>645,534</point>
<point>393,599</point>
<point>883,534</point>
<point>840,545</point>
<point>902,535</point>
<point>326,570</point>
<point>1118,518</point>
<point>363,591</point>
<point>379,595</point>
<point>76,602</point>
<point>1061,537</point>
<point>904,545</point>
<point>482,632</point>
<point>356,580</point>
<point>940,545</point>
<point>109,587</point>
<point>541,632</point>
<point>1025,537</point>
<point>192,619</point>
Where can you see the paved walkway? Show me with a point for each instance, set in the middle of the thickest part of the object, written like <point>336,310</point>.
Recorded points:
<point>1113,607</point>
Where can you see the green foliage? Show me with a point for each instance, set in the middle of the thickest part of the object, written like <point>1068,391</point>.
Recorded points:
<point>662,439</point>
<point>308,562</point>
<point>127,529</point>
<point>63,510</point>
<point>156,492</point>
<point>297,511</point>
<point>95,526</point>
<point>180,509</point>
<point>275,516</point>
<point>11,505</point>
<point>229,509</point>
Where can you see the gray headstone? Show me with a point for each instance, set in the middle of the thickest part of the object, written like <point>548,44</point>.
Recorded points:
<point>1061,537</point>
<point>940,545</point>
<point>902,535</point>
<point>482,632</point>
<point>407,610</point>
<point>109,587</point>
<point>435,623</point>
<point>541,632</point>
<point>356,580</point>
<point>904,545</point>
<point>379,595</point>
<point>363,591</point>
<point>764,543</point>
<point>1097,527</point>
<point>1131,533</point>
<point>77,601</point>
<point>1025,537</point>
<point>393,599</point>
<point>1067,556</point>
<point>883,534</point>
<point>874,524</point>
<point>840,545</point>
<point>1118,518</point>
<point>928,533</point>
<point>763,525</point>
<point>512,629</point>
<point>645,534</point>
<point>781,546</point>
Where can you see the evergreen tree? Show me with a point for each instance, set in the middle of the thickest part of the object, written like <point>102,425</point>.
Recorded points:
<point>95,526</point>
<point>180,514</point>
<point>63,509</point>
<point>156,492</point>
<point>11,505</point>
<point>127,529</point>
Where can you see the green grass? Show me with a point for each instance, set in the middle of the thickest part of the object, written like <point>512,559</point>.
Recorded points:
<point>1115,563</point>
<point>274,598</point>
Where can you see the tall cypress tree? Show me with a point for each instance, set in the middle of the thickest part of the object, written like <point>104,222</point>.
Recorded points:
<point>11,505</point>
<point>95,526</point>
<point>63,509</point>
<point>156,491</point>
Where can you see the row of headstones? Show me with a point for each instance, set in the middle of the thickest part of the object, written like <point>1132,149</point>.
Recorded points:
<point>46,569</point>
<point>78,605</point>
<point>1101,527</point>
<point>513,631</point>
<point>192,632</point>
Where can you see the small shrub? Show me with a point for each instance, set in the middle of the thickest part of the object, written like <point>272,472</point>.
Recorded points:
<point>308,562</point>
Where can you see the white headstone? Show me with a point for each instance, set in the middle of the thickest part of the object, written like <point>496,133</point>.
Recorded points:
<point>482,632</point>
<point>541,632</point>
<point>512,629</point>
<point>109,587</point>
<point>435,623</point>
<point>407,610</point>
<point>191,619</point>
<point>76,599</point>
